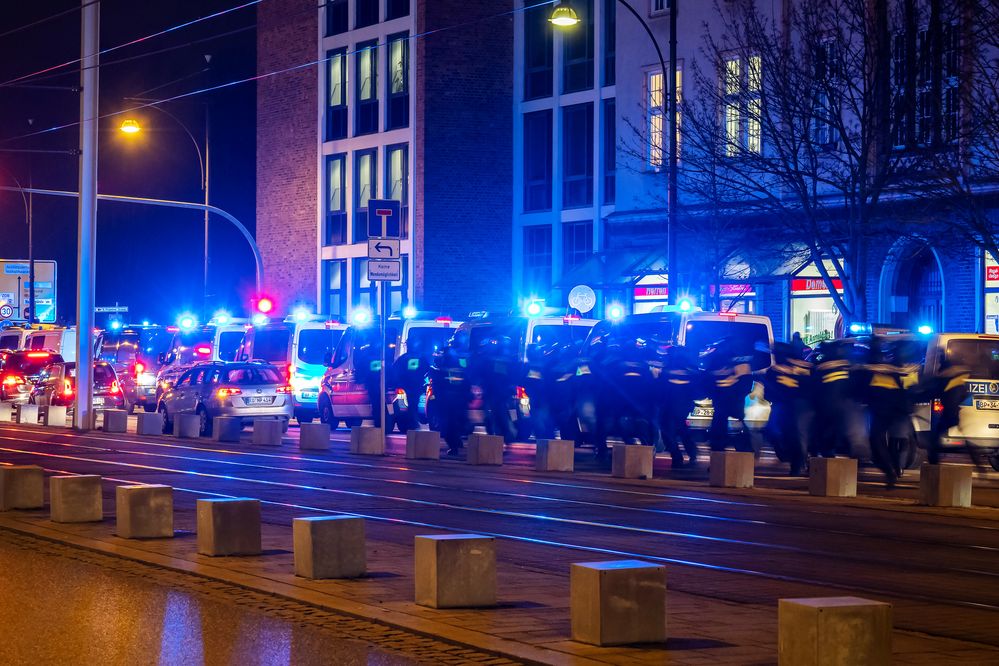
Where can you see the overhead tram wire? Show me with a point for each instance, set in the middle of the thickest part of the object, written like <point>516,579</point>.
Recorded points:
<point>277,72</point>
<point>53,17</point>
<point>138,40</point>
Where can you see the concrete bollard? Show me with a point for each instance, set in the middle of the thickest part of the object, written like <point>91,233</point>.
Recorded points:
<point>455,571</point>
<point>228,527</point>
<point>314,436</point>
<point>27,414</point>
<point>329,547</point>
<point>731,469</point>
<point>76,499</point>
<point>55,416</point>
<point>632,461</point>
<point>367,440</point>
<point>144,512</point>
<point>554,455</point>
<point>187,425</point>
<point>485,449</point>
<point>423,445</point>
<point>267,432</point>
<point>227,428</point>
<point>6,412</point>
<point>832,477</point>
<point>618,602</point>
<point>833,630</point>
<point>945,485</point>
<point>21,487</point>
<point>149,423</point>
<point>115,420</point>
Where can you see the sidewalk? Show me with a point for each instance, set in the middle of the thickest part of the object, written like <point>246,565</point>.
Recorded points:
<point>531,623</point>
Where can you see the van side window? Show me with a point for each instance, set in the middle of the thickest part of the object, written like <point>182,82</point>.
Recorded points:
<point>38,342</point>
<point>343,348</point>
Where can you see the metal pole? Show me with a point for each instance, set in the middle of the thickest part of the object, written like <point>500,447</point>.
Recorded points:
<point>672,279</point>
<point>31,250</point>
<point>383,287</point>
<point>204,186</point>
<point>87,259</point>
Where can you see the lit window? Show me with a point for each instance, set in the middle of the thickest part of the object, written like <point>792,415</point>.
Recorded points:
<point>656,120</point>
<point>743,105</point>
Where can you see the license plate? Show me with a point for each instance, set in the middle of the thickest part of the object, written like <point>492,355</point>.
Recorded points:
<point>260,400</point>
<point>309,395</point>
<point>703,411</point>
<point>98,400</point>
<point>987,404</point>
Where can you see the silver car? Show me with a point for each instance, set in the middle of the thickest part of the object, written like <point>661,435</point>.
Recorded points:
<point>247,390</point>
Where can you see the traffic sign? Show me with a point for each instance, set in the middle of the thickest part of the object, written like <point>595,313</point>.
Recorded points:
<point>383,248</point>
<point>6,311</point>
<point>111,308</point>
<point>384,270</point>
<point>384,218</point>
<point>582,298</point>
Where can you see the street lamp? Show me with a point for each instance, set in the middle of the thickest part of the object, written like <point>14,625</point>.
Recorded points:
<point>563,16</point>
<point>130,126</point>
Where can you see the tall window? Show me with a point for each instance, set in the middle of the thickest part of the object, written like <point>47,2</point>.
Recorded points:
<point>823,111</point>
<point>366,121</point>
<point>577,244</point>
<point>537,260</point>
<point>754,104</point>
<point>396,9</point>
<point>577,155</point>
<point>336,100</point>
<point>577,52</point>
<point>364,190</point>
<point>656,119</point>
<point>657,7</point>
<point>336,17</point>
<point>397,180</point>
<point>336,203</point>
<point>365,13</point>
<point>925,86</point>
<point>950,61</point>
<point>610,150</point>
<point>900,124</point>
<point>538,161</point>
<point>610,42</point>
<point>397,82</point>
<point>538,52</point>
<point>335,288</point>
<point>742,86</point>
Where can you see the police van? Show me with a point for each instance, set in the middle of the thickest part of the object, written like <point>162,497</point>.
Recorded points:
<point>60,340</point>
<point>13,337</point>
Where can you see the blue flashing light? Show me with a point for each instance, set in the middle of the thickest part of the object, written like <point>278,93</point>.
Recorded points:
<point>187,322</point>
<point>145,322</point>
<point>115,325</point>
<point>361,317</point>
<point>259,319</point>
<point>301,314</point>
<point>409,312</point>
<point>925,329</point>
<point>534,308</point>
<point>615,311</point>
<point>686,305</point>
<point>856,328</point>
<point>221,317</point>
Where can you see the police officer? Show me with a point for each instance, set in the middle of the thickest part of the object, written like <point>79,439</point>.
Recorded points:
<point>679,388</point>
<point>839,418</point>
<point>888,403</point>
<point>498,369</point>
<point>448,376</point>
<point>788,385</point>
<point>409,373</point>
<point>730,380</point>
<point>947,390</point>
<point>536,382</point>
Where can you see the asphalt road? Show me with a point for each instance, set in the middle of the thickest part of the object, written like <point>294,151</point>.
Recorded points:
<point>938,567</point>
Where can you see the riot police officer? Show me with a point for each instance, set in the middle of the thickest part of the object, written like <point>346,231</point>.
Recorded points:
<point>730,379</point>
<point>788,385</point>
<point>680,383</point>
<point>947,390</point>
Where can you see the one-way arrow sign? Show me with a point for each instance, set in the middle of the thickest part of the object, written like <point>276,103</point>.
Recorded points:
<point>383,248</point>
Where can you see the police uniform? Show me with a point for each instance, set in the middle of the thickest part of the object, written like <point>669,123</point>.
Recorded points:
<point>789,389</point>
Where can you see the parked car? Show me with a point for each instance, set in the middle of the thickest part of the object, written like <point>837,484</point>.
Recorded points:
<point>57,386</point>
<point>21,370</point>
<point>300,347</point>
<point>135,353</point>
<point>245,390</point>
<point>60,340</point>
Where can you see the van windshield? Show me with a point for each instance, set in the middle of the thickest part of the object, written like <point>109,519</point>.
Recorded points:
<point>229,345</point>
<point>271,344</point>
<point>315,343</point>
<point>10,341</point>
<point>425,340</point>
<point>122,347</point>
<point>980,357</point>
<point>750,337</point>
<point>562,335</point>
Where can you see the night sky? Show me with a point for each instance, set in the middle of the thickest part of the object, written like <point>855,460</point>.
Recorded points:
<point>148,258</point>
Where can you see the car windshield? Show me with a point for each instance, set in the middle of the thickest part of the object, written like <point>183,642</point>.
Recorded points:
<point>980,357</point>
<point>563,335</point>
<point>752,337</point>
<point>123,347</point>
<point>314,344</point>
<point>271,344</point>
<point>31,363</point>
<point>425,340</point>
<point>191,346</point>
<point>229,345</point>
<point>492,335</point>
<point>244,375</point>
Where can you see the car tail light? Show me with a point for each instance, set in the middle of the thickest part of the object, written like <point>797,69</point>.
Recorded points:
<point>115,389</point>
<point>284,389</point>
<point>937,407</point>
<point>12,380</point>
<point>521,393</point>
<point>566,319</point>
<point>38,354</point>
<point>203,350</point>
<point>139,368</point>
<point>290,372</point>
<point>443,320</point>
<point>226,392</point>
<point>67,387</point>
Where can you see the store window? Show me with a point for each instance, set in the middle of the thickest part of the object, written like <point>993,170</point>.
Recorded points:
<point>991,295</point>
<point>813,311</point>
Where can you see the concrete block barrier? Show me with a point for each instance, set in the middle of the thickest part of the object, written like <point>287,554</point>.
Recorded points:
<point>227,428</point>
<point>21,487</point>
<point>228,527</point>
<point>314,436</point>
<point>115,420</point>
<point>423,445</point>
<point>329,547</point>
<point>367,440</point>
<point>55,416</point>
<point>144,512</point>
<point>267,432</point>
<point>632,461</point>
<point>455,571</point>
<point>6,412</point>
<point>27,414</point>
<point>731,469</point>
<point>554,455</point>
<point>618,602</point>
<point>824,631</point>
<point>187,426</point>
<point>945,485</point>
<point>149,423</point>
<point>76,499</point>
<point>832,477</point>
<point>485,449</point>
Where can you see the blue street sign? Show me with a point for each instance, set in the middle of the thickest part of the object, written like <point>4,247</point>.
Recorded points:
<point>384,218</point>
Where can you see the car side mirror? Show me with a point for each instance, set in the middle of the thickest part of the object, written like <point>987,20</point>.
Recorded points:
<point>328,358</point>
<point>243,356</point>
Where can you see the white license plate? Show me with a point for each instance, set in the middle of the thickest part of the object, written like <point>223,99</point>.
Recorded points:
<point>260,400</point>
<point>703,411</point>
<point>987,404</point>
<point>98,400</point>
<point>309,395</point>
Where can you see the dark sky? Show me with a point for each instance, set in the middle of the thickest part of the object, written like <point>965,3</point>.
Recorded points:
<point>148,258</point>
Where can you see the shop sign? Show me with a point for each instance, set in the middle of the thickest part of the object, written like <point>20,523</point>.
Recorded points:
<point>733,290</point>
<point>991,272</point>
<point>652,291</point>
<point>813,286</point>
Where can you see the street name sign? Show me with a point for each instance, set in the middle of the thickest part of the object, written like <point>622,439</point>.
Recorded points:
<point>384,270</point>
<point>384,218</point>
<point>383,248</point>
<point>111,308</point>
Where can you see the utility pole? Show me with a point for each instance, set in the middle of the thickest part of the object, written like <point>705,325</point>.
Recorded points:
<point>673,282</point>
<point>87,233</point>
<point>31,240</point>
